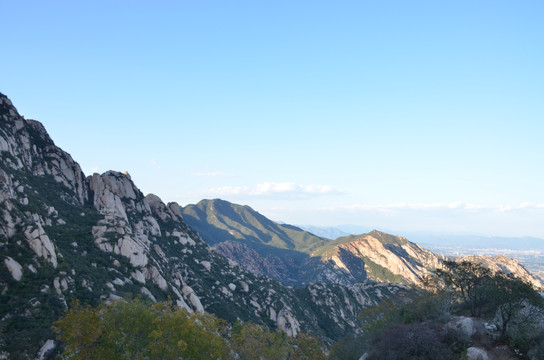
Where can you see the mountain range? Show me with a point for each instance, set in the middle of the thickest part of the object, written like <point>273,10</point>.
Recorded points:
<point>438,239</point>
<point>296,257</point>
<point>65,236</point>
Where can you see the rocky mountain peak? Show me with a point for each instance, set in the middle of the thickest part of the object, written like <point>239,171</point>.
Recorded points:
<point>166,213</point>
<point>30,147</point>
<point>502,263</point>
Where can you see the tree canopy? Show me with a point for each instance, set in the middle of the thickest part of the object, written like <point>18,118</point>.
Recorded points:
<point>137,330</point>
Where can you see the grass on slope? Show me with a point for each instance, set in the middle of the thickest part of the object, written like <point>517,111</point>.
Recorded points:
<point>218,221</point>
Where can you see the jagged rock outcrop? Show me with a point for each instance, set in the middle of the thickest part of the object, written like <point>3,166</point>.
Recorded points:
<point>474,353</point>
<point>25,145</point>
<point>502,263</point>
<point>281,268</point>
<point>15,269</point>
<point>378,256</point>
<point>40,243</point>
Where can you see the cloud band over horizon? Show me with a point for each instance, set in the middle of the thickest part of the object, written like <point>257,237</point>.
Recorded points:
<point>280,189</point>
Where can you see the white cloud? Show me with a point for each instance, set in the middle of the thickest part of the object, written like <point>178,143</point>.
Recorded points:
<point>523,206</point>
<point>285,189</point>
<point>458,206</point>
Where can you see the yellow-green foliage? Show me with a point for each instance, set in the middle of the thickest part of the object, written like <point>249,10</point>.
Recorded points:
<point>251,341</point>
<point>137,330</point>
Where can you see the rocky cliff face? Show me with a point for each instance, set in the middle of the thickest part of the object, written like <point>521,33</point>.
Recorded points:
<point>383,257</point>
<point>502,263</point>
<point>298,258</point>
<point>281,268</point>
<point>282,252</point>
<point>64,236</point>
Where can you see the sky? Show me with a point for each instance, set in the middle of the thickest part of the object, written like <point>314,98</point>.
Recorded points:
<point>398,115</point>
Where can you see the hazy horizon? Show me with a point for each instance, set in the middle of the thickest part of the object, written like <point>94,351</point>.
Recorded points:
<point>417,116</point>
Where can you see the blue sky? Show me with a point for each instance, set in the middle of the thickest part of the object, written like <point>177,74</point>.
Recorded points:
<point>400,115</point>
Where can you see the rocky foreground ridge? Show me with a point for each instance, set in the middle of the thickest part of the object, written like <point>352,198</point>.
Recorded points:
<point>67,236</point>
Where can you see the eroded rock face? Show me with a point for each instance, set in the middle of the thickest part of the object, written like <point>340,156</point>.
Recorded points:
<point>276,267</point>
<point>30,148</point>
<point>502,263</point>
<point>474,353</point>
<point>170,212</point>
<point>109,189</point>
<point>288,323</point>
<point>384,258</point>
<point>128,221</point>
<point>14,268</point>
<point>41,244</point>
<point>463,325</point>
<point>46,349</point>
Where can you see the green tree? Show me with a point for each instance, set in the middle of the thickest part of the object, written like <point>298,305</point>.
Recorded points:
<point>410,342</point>
<point>348,348</point>
<point>80,330</point>
<point>136,330</point>
<point>376,319</point>
<point>254,342</point>
<point>306,347</point>
<point>514,301</point>
<point>471,280</point>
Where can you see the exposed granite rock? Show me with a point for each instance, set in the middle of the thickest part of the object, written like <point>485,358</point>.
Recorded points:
<point>287,322</point>
<point>474,353</point>
<point>276,267</point>
<point>502,263</point>
<point>40,243</point>
<point>14,268</point>
<point>464,325</point>
<point>46,349</point>
<point>30,148</point>
<point>381,254</point>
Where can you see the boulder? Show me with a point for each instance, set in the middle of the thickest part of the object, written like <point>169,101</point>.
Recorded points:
<point>14,268</point>
<point>464,325</point>
<point>41,244</point>
<point>474,353</point>
<point>46,349</point>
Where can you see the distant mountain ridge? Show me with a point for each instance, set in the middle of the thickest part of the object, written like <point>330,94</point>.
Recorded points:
<point>266,247</point>
<point>328,232</point>
<point>297,257</point>
<point>249,238</point>
<point>219,219</point>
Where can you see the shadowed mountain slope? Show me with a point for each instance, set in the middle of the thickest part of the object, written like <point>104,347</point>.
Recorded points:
<point>218,221</point>
<point>297,257</point>
<point>249,238</point>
